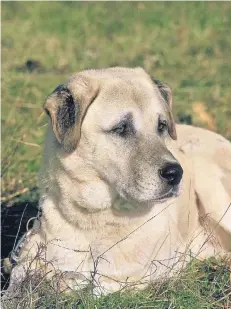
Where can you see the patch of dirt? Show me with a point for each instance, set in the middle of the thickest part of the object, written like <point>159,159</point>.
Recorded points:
<point>34,66</point>
<point>31,66</point>
<point>200,110</point>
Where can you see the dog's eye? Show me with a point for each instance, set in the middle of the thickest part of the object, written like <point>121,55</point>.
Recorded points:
<point>162,125</point>
<point>122,129</point>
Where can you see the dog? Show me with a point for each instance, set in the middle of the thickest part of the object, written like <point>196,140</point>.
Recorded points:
<point>127,196</point>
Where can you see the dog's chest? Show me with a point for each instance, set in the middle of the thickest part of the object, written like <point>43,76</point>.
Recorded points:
<point>128,251</point>
<point>132,255</point>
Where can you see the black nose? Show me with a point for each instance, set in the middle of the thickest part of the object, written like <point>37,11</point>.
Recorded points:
<point>172,173</point>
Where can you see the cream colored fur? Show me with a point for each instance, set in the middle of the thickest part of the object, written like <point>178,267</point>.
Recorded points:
<point>101,218</point>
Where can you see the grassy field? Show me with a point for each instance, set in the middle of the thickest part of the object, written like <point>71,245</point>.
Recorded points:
<point>185,44</point>
<point>200,286</point>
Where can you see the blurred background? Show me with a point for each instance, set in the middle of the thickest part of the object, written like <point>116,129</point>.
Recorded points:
<point>185,44</point>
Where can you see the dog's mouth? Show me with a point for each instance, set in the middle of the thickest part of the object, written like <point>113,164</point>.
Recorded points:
<point>173,192</point>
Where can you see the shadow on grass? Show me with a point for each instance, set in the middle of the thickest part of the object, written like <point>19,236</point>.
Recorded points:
<point>14,221</point>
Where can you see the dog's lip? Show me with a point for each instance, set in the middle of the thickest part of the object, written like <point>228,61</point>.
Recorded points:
<point>170,194</point>
<point>173,192</point>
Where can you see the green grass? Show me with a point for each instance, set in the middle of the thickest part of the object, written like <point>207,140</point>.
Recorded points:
<point>185,44</point>
<point>200,286</point>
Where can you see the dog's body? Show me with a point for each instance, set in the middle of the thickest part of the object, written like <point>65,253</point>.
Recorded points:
<point>112,210</point>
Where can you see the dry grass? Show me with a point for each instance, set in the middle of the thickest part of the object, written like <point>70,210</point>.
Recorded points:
<point>200,285</point>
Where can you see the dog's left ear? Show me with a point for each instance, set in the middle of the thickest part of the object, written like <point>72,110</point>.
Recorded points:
<point>166,94</point>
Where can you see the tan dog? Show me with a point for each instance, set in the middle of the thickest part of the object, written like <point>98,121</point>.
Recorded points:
<point>123,202</point>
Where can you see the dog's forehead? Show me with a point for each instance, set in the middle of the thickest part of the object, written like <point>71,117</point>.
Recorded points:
<point>123,87</point>
<point>122,93</point>
<point>116,72</point>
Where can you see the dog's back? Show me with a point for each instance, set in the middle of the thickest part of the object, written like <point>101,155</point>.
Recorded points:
<point>210,155</point>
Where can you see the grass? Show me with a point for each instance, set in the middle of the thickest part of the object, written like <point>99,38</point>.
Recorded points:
<point>200,286</point>
<point>185,44</point>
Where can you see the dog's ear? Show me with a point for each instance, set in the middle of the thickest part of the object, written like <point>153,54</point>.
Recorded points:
<point>67,105</point>
<point>166,94</point>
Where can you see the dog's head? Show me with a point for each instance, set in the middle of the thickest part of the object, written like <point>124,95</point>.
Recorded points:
<point>118,121</point>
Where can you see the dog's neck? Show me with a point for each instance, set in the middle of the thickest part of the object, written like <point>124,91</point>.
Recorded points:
<point>83,212</point>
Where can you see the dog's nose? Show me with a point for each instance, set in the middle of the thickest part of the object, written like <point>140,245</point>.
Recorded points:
<point>172,173</point>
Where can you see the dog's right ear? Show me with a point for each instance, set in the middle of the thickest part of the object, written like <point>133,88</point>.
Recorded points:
<point>67,106</point>
<point>166,93</point>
